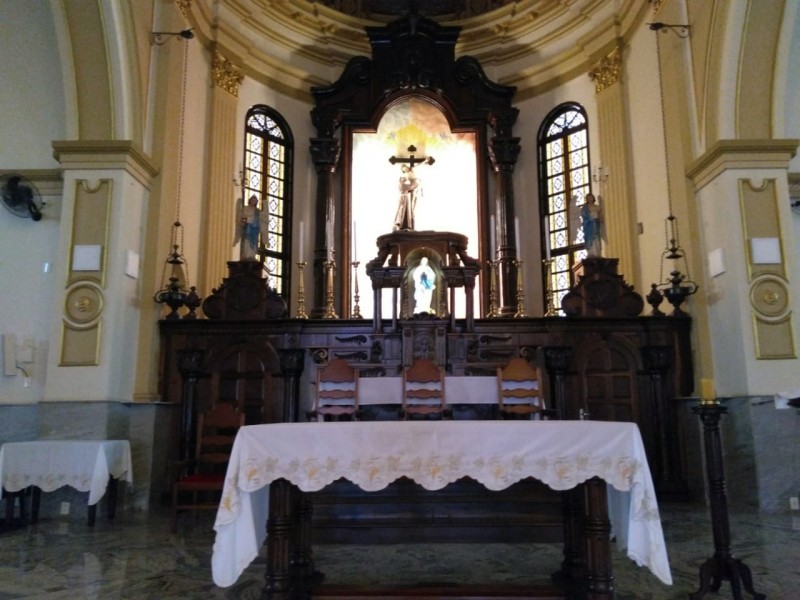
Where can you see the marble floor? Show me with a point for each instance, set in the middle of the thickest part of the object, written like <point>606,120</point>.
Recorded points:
<point>137,557</point>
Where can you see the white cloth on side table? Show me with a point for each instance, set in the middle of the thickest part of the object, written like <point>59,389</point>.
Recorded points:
<point>85,465</point>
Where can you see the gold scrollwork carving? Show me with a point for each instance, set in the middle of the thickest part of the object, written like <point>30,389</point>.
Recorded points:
<point>769,297</point>
<point>184,6</point>
<point>226,75</point>
<point>83,304</point>
<point>607,72</point>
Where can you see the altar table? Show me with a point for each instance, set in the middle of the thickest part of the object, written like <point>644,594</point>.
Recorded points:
<point>86,465</point>
<point>561,454</point>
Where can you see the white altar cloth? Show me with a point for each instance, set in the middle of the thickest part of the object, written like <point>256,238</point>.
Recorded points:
<point>562,454</point>
<point>85,465</point>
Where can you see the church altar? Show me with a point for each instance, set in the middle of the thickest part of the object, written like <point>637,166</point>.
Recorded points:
<point>434,454</point>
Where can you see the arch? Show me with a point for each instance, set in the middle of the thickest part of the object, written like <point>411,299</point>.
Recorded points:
<point>608,385</point>
<point>268,159</point>
<point>564,184</point>
<point>243,374</point>
<point>414,56</point>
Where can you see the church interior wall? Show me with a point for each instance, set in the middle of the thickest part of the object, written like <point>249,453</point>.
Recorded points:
<point>647,150</point>
<point>33,107</point>
<point>33,304</point>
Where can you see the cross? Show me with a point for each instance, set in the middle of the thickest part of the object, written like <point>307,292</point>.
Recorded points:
<point>412,160</point>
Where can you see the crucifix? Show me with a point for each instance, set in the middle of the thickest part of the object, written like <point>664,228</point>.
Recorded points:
<point>409,188</point>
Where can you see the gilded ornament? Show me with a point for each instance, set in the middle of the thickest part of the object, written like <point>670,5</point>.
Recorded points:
<point>608,72</point>
<point>184,6</point>
<point>83,304</point>
<point>226,75</point>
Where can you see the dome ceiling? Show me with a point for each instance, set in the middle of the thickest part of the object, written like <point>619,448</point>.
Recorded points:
<point>531,44</point>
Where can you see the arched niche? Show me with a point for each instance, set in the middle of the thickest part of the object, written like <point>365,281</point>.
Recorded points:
<point>413,61</point>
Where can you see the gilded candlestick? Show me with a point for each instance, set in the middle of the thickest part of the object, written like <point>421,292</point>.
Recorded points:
<point>520,292</point>
<point>492,289</point>
<point>330,268</point>
<point>550,310</point>
<point>301,293</point>
<point>356,309</point>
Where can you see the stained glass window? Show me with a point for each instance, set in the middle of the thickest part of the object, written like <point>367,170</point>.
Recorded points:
<point>563,155</point>
<point>267,173</point>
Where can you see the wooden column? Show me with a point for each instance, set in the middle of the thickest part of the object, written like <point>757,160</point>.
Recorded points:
<point>503,152</point>
<point>325,151</point>
<point>619,209</point>
<point>219,201</point>
<point>291,369</point>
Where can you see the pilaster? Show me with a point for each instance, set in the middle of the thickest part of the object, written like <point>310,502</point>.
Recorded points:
<point>218,204</point>
<point>616,192</point>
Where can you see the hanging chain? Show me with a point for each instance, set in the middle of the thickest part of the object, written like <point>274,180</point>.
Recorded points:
<point>178,225</point>
<point>670,237</point>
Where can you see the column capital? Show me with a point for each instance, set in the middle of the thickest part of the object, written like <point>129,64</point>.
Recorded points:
<point>607,72</point>
<point>226,75</point>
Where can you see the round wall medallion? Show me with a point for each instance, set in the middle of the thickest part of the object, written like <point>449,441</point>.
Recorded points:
<point>83,304</point>
<point>769,296</point>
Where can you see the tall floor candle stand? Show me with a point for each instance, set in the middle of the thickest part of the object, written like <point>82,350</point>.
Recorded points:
<point>722,565</point>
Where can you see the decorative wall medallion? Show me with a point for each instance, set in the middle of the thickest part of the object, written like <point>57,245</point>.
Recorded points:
<point>83,304</point>
<point>769,297</point>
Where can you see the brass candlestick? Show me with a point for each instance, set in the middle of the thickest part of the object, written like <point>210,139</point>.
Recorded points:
<point>356,309</point>
<point>301,293</point>
<point>492,289</point>
<point>520,292</point>
<point>550,310</point>
<point>330,267</point>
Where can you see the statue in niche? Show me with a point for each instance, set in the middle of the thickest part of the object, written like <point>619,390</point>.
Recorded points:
<point>424,284</point>
<point>250,222</point>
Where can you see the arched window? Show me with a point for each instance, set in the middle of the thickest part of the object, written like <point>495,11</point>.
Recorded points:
<point>268,151</point>
<point>563,157</point>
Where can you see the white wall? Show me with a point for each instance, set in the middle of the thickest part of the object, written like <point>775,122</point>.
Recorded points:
<point>31,94</point>
<point>32,109</point>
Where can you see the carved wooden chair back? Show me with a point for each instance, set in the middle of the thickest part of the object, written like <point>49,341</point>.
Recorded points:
<point>424,390</point>
<point>519,391</point>
<point>336,397</point>
<point>201,483</point>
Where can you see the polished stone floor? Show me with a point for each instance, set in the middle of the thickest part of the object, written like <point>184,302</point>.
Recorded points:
<point>137,557</point>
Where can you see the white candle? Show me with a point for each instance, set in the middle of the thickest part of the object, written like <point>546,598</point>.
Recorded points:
<point>547,236</point>
<point>301,241</point>
<point>492,240</point>
<point>518,239</point>
<point>355,251</point>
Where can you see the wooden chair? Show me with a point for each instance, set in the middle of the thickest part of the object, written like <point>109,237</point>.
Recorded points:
<point>205,477</point>
<point>519,391</point>
<point>424,390</point>
<point>337,392</point>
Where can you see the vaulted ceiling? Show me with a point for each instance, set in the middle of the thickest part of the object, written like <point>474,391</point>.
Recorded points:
<point>531,44</point>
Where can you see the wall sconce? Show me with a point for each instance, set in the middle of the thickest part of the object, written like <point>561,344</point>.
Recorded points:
<point>677,287</point>
<point>600,174</point>
<point>159,38</point>
<point>682,31</point>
